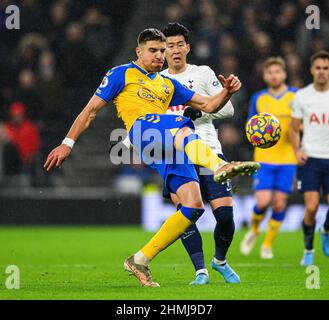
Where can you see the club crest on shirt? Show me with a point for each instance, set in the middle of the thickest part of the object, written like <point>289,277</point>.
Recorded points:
<point>166,88</point>
<point>179,119</point>
<point>190,83</point>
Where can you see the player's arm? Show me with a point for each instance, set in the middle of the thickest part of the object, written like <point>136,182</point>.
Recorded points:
<point>294,131</point>
<point>58,155</point>
<point>212,104</point>
<point>294,134</point>
<point>213,86</point>
<point>111,86</point>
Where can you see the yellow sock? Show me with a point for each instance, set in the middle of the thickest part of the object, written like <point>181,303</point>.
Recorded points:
<point>256,220</point>
<point>271,233</point>
<point>201,154</point>
<point>169,232</point>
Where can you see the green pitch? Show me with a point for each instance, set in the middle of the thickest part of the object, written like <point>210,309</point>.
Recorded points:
<point>87,263</point>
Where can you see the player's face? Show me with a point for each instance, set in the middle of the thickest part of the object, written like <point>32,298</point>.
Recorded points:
<point>151,55</point>
<point>274,76</point>
<point>176,52</point>
<point>320,71</point>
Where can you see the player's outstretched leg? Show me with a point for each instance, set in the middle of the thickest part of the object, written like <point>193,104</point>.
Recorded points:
<point>308,257</point>
<point>271,233</point>
<point>199,153</point>
<point>192,242</point>
<point>169,232</point>
<point>251,236</point>
<point>223,236</point>
<point>324,234</point>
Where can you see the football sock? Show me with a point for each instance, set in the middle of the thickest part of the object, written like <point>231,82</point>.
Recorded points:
<point>308,235</point>
<point>326,223</point>
<point>205,271</point>
<point>256,219</point>
<point>192,242</point>
<point>221,263</point>
<point>224,231</point>
<point>171,230</point>
<point>140,258</point>
<point>273,228</point>
<point>200,153</point>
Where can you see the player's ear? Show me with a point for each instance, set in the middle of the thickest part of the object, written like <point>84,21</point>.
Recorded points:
<point>138,51</point>
<point>188,46</point>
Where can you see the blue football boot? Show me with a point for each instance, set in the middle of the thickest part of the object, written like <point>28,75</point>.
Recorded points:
<point>227,272</point>
<point>201,278</point>
<point>325,242</point>
<point>308,258</point>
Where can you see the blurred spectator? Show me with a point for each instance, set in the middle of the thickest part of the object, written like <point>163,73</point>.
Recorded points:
<point>294,65</point>
<point>28,50</point>
<point>98,30</point>
<point>75,59</point>
<point>22,141</point>
<point>29,93</point>
<point>54,114</point>
<point>58,21</point>
<point>286,21</point>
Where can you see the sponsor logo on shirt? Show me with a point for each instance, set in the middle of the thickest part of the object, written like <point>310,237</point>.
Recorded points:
<point>166,88</point>
<point>319,119</point>
<point>146,94</point>
<point>179,119</point>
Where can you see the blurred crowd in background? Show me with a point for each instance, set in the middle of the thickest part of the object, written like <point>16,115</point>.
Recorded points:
<point>52,65</point>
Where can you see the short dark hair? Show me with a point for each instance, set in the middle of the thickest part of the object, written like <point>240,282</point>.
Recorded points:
<point>320,55</point>
<point>176,29</point>
<point>149,35</point>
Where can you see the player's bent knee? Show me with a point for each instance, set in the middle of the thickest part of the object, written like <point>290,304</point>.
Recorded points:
<point>193,214</point>
<point>311,209</point>
<point>279,206</point>
<point>181,135</point>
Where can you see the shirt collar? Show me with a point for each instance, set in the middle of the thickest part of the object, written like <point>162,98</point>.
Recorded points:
<point>150,75</point>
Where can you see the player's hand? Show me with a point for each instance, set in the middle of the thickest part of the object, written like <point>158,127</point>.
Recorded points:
<point>192,113</point>
<point>57,156</point>
<point>232,83</point>
<point>301,157</point>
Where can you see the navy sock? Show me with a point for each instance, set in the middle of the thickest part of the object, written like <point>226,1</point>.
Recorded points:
<point>326,223</point>
<point>192,242</point>
<point>308,236</point>
<point>224,231</point>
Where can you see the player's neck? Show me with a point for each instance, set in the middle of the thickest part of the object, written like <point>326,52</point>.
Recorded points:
<point>321,87</point>
<point>172,70</point>
<point>278,90</point>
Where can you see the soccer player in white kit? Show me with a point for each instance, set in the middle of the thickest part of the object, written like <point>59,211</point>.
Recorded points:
<point>311,108</point>
<point>203,80</point>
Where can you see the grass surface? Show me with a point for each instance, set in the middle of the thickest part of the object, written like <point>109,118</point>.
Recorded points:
<point>87,263</point>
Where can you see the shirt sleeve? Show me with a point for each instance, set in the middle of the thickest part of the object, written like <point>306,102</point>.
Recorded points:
<point>181,94</point>
<point>253,105</point>
<point>297,110</point>
<point>112,84</point>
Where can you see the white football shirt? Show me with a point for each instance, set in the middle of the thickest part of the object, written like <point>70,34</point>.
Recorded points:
<point>312,107</point>
<point>203,80</point>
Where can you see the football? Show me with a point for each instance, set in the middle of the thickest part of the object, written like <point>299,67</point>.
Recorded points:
<point>263,130</point>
